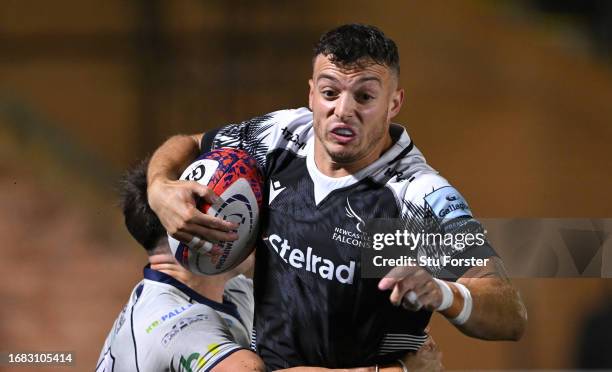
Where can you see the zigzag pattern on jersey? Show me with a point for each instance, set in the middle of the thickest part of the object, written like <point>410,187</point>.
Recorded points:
<point>421,219</point>
<point>247,136</point>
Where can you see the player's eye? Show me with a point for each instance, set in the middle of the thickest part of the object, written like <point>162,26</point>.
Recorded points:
<point>364,97</point>
<point>328,93</point>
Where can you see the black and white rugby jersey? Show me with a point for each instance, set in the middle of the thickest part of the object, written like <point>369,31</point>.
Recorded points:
<point>312,306</point>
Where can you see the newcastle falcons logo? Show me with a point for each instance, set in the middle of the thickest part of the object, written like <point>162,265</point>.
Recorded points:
<point>351,214</point>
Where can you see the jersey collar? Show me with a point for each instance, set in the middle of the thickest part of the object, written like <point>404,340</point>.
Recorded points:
<point>324,185</point>
<point>225,307</point>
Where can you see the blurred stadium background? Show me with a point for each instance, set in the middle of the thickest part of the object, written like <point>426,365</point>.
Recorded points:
<point>510,100</point>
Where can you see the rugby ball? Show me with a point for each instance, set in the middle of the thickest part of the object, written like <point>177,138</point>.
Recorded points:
<point>235,177</point>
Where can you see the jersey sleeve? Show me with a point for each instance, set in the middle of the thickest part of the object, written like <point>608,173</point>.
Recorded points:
<point>239,291</point>
<point>105,360</point>
<point>199,342</point>
<point>284,129</point>
<point>432,205</point>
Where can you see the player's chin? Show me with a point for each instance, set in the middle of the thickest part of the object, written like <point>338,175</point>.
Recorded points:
<point>344,157</point>
<point>343,153</point>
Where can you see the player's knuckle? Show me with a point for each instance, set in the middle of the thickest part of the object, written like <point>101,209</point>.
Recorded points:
<point>190,213</point>
<point>209,222</point>
<point>181,191</point>
<point>207,191</point>
<point>181,225</point>
<point>220,224</point>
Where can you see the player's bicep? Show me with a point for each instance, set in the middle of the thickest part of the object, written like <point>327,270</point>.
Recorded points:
<point>202,355</point>
<point>199,342</point>
<point>241,360</point>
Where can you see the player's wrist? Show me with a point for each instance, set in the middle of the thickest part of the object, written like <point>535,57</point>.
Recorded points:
<point>153,188</point>
<point>456,304</point>
<point>160,179</point>
<point>452,300</point>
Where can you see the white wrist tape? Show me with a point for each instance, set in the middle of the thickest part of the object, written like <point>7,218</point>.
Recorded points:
<point>447,295</point>
<point>465,313</point>
<point>208,246</point>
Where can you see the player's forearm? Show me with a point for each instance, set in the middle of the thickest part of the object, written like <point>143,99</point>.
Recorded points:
<point>171,157</point>
<point>484,304</point>
<point>498,313</point>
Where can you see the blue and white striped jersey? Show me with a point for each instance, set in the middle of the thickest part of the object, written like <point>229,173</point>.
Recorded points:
<point>166,326</point>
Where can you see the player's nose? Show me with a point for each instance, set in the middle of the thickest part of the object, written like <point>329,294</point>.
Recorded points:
<point>345,107</point>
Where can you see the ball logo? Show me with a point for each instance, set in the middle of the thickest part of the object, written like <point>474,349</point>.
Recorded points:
<point>196,174</point>
<point>200,171</point>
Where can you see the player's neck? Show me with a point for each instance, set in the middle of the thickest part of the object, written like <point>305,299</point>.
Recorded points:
<point>210,287</point>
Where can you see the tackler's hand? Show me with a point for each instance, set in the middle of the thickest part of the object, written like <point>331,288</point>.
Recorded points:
<point>427,359</point>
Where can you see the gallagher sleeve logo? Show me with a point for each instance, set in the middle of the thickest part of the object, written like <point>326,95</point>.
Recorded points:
<point>446,202</point>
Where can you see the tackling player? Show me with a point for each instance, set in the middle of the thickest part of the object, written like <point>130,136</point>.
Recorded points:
<point>178,321</point>
<point>330,169</point>
<point>175,320</point>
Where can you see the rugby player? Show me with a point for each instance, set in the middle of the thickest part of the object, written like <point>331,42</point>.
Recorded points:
<point>329,169</point>
<point>175,320</point>
<point>178,321</point>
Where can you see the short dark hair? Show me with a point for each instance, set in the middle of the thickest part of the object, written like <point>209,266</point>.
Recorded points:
<point>348,46</point>
<point>140,220</point>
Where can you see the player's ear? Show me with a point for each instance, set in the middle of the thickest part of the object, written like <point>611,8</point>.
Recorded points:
<point>395,104</point>
<point>310,93</point>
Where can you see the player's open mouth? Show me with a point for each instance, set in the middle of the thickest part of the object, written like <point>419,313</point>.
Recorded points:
<point>343,134</point>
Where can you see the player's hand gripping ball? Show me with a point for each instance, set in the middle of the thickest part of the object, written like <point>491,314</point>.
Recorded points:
<point>234,176</point>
